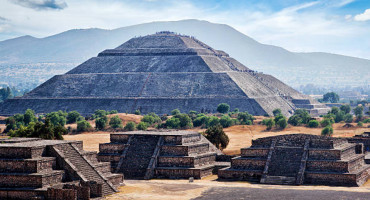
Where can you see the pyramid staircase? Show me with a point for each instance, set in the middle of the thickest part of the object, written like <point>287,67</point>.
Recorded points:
<point>298,159</point>
<point>146,155</point>
<point>47,169</point>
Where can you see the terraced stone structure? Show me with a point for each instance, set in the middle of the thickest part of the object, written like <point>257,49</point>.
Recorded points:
<point>153,154</point>
<point>31,168</point>
<point>300,159</point>
<point>158,73</point>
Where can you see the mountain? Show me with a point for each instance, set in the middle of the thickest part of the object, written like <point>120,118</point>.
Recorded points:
<point>75,46</point>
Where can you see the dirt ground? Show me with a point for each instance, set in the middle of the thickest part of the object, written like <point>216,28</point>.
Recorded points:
<point>181,189</point>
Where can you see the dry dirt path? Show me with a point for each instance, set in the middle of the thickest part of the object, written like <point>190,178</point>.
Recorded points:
<point>210,188</point>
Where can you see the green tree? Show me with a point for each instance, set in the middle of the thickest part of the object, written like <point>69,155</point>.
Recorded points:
<point>226,121</point>
<point>5,93</point>
<point>175,112</point>
<point>277,112</point>
<point>29,116</point>
<point>72,117</point>
<point>348,118</point>
<point>360,124</point>
<point>359,112</point>
<point>151,118</point>
<point>245,118</point>
<point>115,122</point>
<point>57,118</point>
<point>217,136</point>
<point>345,108</point>
<point>313,124</point>
<point>339,116</point>
<point>282,123</point>
<point>223,108</point>
<point>331,97</point>
<point>185,121</point>
<point>173,123</point>
<point>101,123</point>
<point>327,131</point>
<point>99,113</point>
<point>334,110</point>
<point>142,126</point>
<point>130,126</point>
<point>269,123</point>
<point>83,126</point>
<point>113,112</point>
<point>326,122</point>
<point>137,112</point>
<point>295,120</point>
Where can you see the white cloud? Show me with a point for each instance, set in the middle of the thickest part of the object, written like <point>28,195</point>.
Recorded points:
<point>363,16</point>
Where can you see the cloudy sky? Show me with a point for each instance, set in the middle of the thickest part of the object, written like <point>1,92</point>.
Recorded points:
<point>335,26</point>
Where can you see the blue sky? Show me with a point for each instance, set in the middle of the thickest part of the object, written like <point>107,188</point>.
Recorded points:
<point>335,26</point>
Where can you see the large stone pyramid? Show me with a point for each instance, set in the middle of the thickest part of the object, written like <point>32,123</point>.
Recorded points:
<point>158,73</point>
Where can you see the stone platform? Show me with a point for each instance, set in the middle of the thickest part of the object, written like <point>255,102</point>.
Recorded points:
<point>300,159</point>
<point>31,168</point>
<point>165,154</point>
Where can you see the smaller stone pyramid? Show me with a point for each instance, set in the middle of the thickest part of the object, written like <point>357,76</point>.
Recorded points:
<point>300,159</point>
<point>159,154</point>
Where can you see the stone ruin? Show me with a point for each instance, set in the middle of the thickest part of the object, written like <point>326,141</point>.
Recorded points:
<point>300,159</point>
<point>31,168</point>
<point>153,154</point>
<point>158,73</point>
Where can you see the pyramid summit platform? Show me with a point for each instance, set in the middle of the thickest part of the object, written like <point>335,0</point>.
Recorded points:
<point>159,73</point>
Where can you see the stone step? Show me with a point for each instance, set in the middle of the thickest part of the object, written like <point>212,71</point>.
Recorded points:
<point>239,174</point>
<point>279,180</point>
<point>185,150</point>
<point>27,165</point>
<point>112,148</point>
<point>31,180</point>
<point>183,172</point>
<point>248,163</point>
<point>187,161</point>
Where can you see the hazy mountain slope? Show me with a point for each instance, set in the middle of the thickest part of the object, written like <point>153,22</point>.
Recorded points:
<point>76,46</point>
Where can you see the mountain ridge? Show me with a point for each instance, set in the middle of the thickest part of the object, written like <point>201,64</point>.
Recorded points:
<point>77,45</point>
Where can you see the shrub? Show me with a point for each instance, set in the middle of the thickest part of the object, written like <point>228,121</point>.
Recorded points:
<point>137,112</point>
<point>223,108</point>
<point>101,123</point>
<point>217,136</point>
<point>40,130</point>
<point>99,113</point>
<point>115,122</point>
<point>83,126</point>
<point>175,112</point>
<point>142,126</point>
<point>282,123</point>
<point>313,124</point>
<point>245,118</point>
<point>29,116</point>
<point>360,124</point>
<point>199,121</point>
<point>348,118</point>
<point>295,120</point>
<point>303,115</point>
<point>151,118</point>
<point>345,108</point>
<point>326,122</point>
<point>327,131</point>
<point>113,112</point>
<point>358,112</point>
<point>226,121</point>
<point>185,121</point>
<point>164,117</point>
<point>366,120</point>
<point>339,116</point>
<point>269,123</point>
<point>276,112</point>
<point>173,123</point>
<point>57,118</point>
<point>212,121</point>
<point>73,117</point>
<point>130,126</point>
